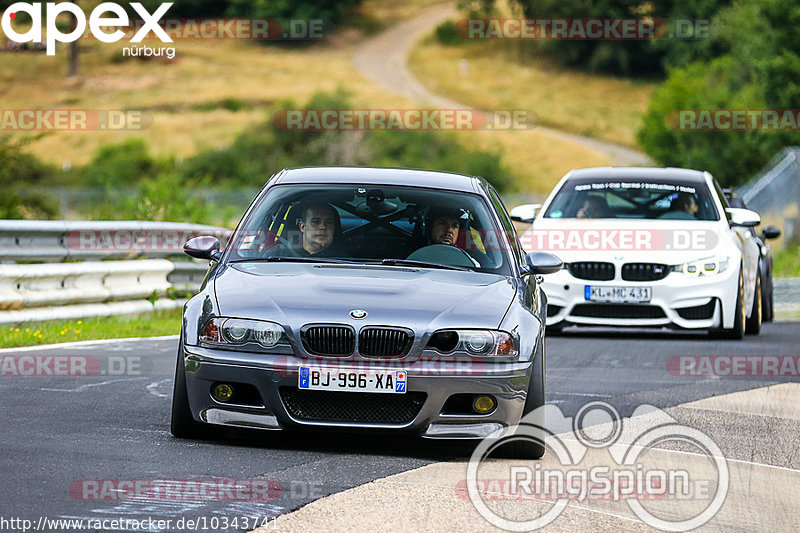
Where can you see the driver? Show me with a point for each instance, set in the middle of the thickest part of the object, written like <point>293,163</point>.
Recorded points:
<point>319,226</point>
<point>444,227</point>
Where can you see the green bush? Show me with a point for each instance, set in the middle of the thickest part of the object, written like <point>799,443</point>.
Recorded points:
<point>446,34</point>
<point>760,69</point>
<point>265,148</point>
<point>166,197</point>
<point>21,174</point>
<point>119,165</point>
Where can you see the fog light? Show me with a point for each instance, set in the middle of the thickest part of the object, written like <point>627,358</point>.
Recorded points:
<point>222,392</point>
<point>483,404</point>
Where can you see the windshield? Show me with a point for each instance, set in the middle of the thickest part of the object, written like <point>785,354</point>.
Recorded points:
<point>388,225</point>
<point>632,198</point>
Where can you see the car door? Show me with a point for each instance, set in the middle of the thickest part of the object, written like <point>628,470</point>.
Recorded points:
<point>751,253</point>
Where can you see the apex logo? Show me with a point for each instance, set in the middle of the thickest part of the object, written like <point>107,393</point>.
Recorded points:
<point>97,21</point>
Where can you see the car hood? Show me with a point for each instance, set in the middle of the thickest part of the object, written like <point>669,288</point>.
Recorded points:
<point>295,294</point>
<point>629,240</point>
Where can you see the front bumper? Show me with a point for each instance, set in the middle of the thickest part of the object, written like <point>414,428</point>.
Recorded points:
<point>677,301</point>
<point>268,374</point>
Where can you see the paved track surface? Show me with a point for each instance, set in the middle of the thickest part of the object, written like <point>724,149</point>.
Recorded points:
<point>57,431</point>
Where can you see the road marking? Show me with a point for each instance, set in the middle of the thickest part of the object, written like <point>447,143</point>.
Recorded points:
<point>88,385</point>
<point>154,385</point>
<point>587,395</point>
<point>77,344</point>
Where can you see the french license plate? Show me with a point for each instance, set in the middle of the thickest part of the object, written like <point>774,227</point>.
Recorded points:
<point>618,294</point>
<point>385,381</point>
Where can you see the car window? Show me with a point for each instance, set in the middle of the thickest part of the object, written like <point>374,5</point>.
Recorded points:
<point>508,226</point>
<point>372,224</point>
<point>632,198</point>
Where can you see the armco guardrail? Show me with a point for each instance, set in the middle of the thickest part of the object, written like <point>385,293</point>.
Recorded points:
<point>59,240</point>
<point>51,289</point>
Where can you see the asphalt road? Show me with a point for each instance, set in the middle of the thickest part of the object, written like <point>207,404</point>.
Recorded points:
<point>59,435</point>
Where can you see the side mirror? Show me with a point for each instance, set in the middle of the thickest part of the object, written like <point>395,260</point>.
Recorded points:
<point>203,247</point>
<point>524,213</point>
<point>771,232</point>
<point>743,217</point>
<point>543,263</point>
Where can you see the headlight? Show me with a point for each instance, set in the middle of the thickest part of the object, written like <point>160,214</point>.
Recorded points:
<point>239,331</point>
<point>703,267</point>
<point>478,342</point>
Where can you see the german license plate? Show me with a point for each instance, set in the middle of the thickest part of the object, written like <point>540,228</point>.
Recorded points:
<point>338,379</point>
<point>618,294</point>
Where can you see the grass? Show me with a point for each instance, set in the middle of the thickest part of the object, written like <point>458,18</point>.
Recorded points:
<point>604,107</point>
<point>787,262</point>
<point>157,323</point>
<point>213,90</point>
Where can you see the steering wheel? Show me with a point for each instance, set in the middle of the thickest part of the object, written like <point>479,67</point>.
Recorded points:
<point>444,254</point>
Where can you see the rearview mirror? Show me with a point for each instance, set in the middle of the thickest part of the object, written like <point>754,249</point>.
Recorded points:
<point>203,247</point>
<point>743,217</point>
<point>524,213</point>
<point>771,232</point>
<point>543,263</point>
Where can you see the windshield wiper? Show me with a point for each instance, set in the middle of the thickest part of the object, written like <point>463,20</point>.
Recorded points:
<point>289,259</point>
<point>410,262</point>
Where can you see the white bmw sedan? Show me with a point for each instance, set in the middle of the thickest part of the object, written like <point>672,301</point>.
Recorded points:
<point>647,247</point>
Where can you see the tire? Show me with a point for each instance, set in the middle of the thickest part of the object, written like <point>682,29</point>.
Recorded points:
<point>737,331</point>
<point>767,300</point>
<point>753,324</point>
<point>527,448</point>
<point>183,425</point>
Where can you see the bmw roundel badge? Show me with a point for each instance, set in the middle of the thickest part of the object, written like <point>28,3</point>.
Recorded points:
<point>358,314</point>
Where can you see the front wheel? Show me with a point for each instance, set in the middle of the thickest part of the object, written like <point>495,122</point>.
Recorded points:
<point>183,425</point>
<point>737,331</point>
<point>753,325</point>
<point>528,447</point>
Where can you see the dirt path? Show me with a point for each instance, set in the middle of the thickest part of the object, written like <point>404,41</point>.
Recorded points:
<point>383,60</point>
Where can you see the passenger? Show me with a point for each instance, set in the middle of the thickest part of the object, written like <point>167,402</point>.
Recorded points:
<point>594,207</point>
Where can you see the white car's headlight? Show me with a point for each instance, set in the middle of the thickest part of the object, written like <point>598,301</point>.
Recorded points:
<point>478,342</point>
<point>708,266</point>
<point>237,332</point>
